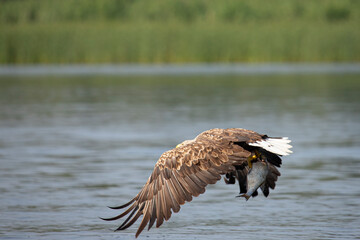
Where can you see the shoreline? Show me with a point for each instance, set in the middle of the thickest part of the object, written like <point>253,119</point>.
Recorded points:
<point>179,69</point>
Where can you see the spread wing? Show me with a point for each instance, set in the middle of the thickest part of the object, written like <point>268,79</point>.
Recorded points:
<point>183,173</point>
<point>179,175</point>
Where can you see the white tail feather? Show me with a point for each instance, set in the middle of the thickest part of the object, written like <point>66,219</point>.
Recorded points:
<point>278,146</point>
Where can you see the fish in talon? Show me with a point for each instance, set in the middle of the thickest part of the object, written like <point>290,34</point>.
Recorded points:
<point>255,178</point>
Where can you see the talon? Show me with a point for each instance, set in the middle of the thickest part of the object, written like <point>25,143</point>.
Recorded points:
<point>253,157</point>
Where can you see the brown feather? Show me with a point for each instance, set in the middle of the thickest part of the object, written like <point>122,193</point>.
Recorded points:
<point>215,160</point>
<point>125,205</point>
<point>158,184</point>
<point>145,219</point>
<point>165,209</point>
<point>143,193</point>
<point>179,181</point>
<point>121,215</point>
<point>155,174</point>
<point>138,214</point>
<point>214,173</point>
<point>204,164</point>
<point>159,212</point>
<point>128,218</point>
<point>173,196</point>
<point>197,181</point>
<point>206,177</point>
<point>223,158</point>
<point>153,213</point>
<point>186,186</point>
<point>168,200</point>
<point>169,195</point>
<point>179,193</point>
<point>166,173</point>
<point>243,154</point>
<point>150,191</point>
<point>193,187</point>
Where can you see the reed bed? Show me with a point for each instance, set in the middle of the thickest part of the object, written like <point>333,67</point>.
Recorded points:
<point>109,31</point>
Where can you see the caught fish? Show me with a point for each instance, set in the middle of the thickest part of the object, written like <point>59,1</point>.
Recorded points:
<point>255,178</point>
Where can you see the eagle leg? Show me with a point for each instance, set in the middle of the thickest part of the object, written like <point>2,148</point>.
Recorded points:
<point>254,156</point>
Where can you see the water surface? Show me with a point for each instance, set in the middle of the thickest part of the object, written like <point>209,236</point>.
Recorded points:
<point>70,146</point>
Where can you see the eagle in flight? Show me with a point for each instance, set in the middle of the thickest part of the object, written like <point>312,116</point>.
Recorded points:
<point>183,172</point>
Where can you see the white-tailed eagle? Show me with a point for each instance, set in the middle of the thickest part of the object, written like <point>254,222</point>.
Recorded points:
<point>183,172</point>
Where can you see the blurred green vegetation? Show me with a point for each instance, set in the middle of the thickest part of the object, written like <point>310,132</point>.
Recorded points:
<point>178,31</point>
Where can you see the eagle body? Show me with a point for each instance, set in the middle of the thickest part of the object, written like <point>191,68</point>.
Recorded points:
<point>183,172</point>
